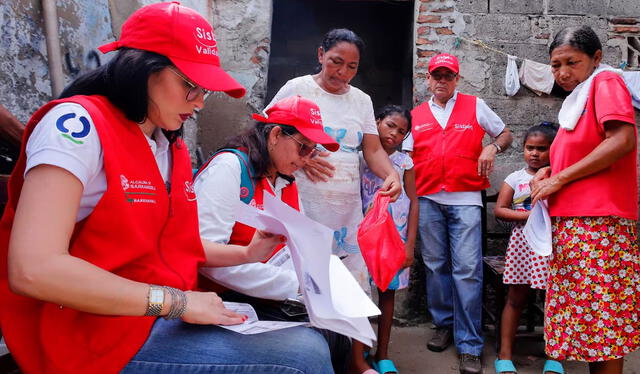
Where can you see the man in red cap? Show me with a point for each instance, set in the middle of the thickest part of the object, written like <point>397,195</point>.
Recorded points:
<point>452,167</point>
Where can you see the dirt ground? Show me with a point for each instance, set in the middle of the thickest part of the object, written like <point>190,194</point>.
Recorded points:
<point>409,352</point>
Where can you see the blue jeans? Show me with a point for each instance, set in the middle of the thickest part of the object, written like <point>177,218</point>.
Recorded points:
<point>451,237</point>
<point>177,347</point>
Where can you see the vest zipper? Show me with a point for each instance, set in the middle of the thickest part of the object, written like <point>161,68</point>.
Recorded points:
<point>443,159</point>
<point>164,261</point>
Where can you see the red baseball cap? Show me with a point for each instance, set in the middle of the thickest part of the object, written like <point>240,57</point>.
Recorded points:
<point>304,115</point>
<point>444,60</point>
<point>182,35</point>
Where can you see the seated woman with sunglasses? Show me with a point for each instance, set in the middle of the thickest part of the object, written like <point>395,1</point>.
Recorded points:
<point>263,158</point>
<point>260,160</point>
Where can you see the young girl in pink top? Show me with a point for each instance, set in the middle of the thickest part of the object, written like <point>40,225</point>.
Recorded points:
<point>524,269</point>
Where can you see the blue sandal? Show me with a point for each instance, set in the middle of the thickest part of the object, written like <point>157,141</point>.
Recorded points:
<point>553,366</point>
<point>385,366</point>
<point>504,366</point>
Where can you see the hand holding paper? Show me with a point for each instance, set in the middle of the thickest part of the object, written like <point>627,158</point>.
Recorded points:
<point>333,298</point>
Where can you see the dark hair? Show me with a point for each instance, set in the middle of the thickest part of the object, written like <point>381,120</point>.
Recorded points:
<point>390,109</point>
<point>336,36</point>
<point>546,129</point>
<point>123,81</point>
<point>254,142</point>
<point>582,38</point>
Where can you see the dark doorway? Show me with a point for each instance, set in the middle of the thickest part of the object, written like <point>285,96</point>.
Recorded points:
<point>386,26</point>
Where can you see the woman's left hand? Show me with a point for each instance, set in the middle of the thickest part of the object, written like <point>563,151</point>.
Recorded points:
<point>319,170</point>
<point>262,245</point>
<point>544,188</point>
<point>392,186</point>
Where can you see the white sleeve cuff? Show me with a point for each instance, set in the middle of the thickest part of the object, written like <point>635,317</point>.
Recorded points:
<point>256,279</point>
<point>64,160</point>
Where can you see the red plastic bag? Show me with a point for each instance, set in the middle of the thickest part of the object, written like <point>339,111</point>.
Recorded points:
<point>380,243</point>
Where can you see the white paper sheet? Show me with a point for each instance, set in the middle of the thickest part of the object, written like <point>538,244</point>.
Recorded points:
<point>333,298</point>
<point>253,325</point>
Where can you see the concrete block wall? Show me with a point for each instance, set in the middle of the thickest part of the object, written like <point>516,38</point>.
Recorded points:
<point>24,74</point>
<point>243,33</point>
<point>521,28</point>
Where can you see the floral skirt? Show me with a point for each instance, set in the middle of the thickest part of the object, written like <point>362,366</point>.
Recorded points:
<point>593,290</point>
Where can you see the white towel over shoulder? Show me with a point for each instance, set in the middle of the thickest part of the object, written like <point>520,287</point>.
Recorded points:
<point>574,104</point>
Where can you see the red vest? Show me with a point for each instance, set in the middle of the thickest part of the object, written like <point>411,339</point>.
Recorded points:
<point>136,231</point>
<point>447,159</point>
<point>242,233</point>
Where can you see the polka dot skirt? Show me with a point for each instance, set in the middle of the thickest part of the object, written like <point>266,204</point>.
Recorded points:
<point>522,265</point>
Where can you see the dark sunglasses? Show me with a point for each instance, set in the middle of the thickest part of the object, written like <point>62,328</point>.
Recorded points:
<point>305,149</point>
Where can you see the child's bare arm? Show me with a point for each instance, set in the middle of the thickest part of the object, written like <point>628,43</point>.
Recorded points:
<point>412,226</point>
<point>503,206</point>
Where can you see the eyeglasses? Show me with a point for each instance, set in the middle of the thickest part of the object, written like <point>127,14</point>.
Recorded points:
<point>447,77</point>
<point>194,90</point>
<point>305,149</point>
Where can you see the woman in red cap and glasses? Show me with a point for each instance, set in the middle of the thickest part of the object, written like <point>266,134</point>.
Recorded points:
<point>262,160</point>
<point>100,233</point>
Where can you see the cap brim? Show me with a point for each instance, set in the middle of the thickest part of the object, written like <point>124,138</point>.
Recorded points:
<point>320,137</point>
<point>260,118</point>
<point>106,48</point>
<point>315,135</point>
<point>444,66</point>
<point>209,76</point>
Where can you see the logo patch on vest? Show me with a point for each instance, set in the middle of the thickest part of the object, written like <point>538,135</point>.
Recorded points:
<point>423,126</point>
<point>62,124</point>
<point>244,192</point>
<point>463,126</point>
<point>189,192</point>
<point>138,191</point>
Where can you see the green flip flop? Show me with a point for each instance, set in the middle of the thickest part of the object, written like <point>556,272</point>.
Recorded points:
<point>504,366</point>
<point>553,366</point>
<point>385,366</point>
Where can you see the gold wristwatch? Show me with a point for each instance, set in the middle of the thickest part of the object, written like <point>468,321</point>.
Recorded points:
<point>155,301</point>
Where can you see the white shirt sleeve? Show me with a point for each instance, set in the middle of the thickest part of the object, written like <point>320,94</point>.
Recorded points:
<point>408,162</point>
<point>217,189</point>
<point>512,180</point>
<point>488,119</point>
<point>407,144</point>
<point>368,117</point>
<point>265,281</point>
<point>67,138</point>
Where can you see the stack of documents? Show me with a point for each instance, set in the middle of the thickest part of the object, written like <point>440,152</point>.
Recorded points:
<point>333,298</point>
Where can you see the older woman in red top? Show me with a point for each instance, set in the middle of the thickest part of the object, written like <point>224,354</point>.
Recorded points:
<point>592,191</point>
